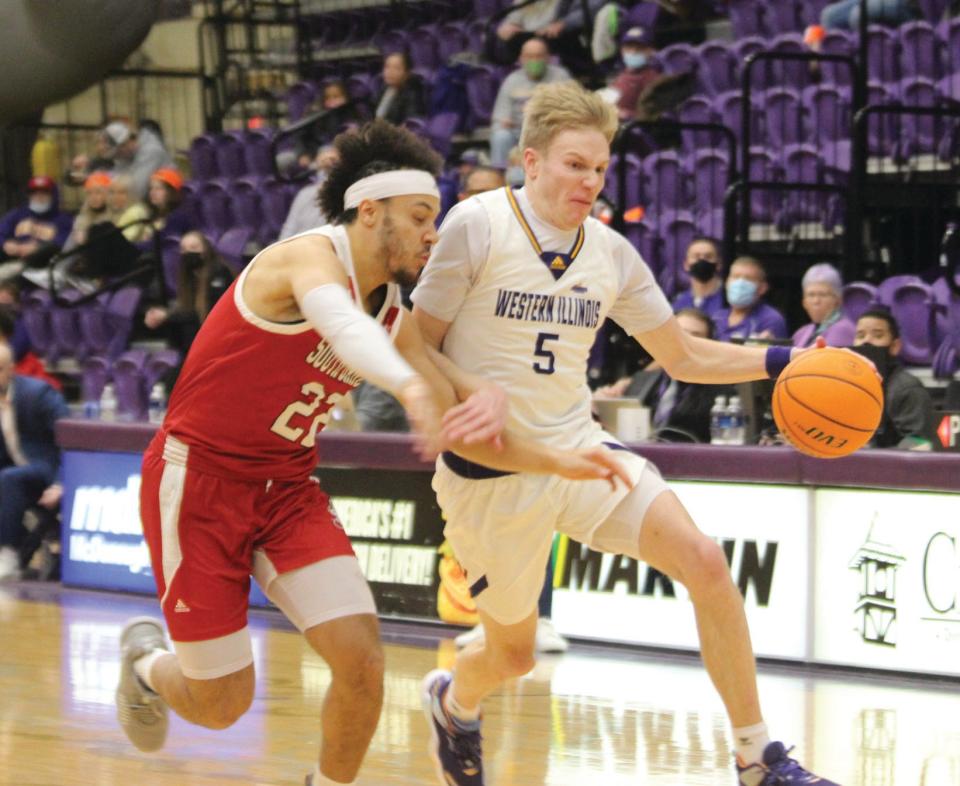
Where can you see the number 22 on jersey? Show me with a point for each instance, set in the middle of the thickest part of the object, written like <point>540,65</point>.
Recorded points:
<point>316,398</point>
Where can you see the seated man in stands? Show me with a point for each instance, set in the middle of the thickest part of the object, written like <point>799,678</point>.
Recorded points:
<point>822,298</point>
<point>507,117</point>
<point>704,264</point>
<point>636,51</point>
<point>304,211</point>
<point>748,316</point>
<point>136,153</point>
<point>907,422</point>
<point>29,456</point>
<point>480,179</point>
<point>25,230</point>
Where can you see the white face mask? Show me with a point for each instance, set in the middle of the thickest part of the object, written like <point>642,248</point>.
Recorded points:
<point>40,204</point>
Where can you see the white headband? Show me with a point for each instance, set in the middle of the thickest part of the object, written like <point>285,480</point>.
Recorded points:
<point>397,182</point>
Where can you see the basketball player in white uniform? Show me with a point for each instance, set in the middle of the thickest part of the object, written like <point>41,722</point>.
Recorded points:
<point>515,291</point>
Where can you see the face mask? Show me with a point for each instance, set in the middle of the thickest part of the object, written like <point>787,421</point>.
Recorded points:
<point>741,293</point>
<point>879,356</point>
<point>703,270</point>
<point>535,68</point>
<point>634,60</point>
<point>191,260</point>
<point>40,204</point>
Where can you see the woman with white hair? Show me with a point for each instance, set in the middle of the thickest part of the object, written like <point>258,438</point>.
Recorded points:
<point>822,298</point>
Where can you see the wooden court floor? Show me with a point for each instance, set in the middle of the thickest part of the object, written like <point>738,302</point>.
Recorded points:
<point>587,718</point>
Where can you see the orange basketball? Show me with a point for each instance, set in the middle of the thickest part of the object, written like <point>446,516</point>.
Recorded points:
<point>827,402</point>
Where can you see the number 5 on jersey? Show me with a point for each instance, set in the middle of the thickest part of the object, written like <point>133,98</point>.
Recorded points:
<point>547,366</point>
<point>282,425</point>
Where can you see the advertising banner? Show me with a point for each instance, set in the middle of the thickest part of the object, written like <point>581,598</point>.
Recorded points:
<point>887,582</point>
<point>764,532</point>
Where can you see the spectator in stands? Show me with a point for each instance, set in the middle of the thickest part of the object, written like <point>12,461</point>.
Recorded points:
<point>402,96</point>
<point>304,211</point>
<point>29,456</point>
<point>681,410</point>
<point>83,165</point>
<point>845,14</point>
<point>908,421</point>
<point>164,201</point>
<point>37,229</point>
<point>339,113</point>
<point>128,213</point>
<point>201,280</point>
<point>514,93</point>
<point>636,51</point>
<point>559,22</point>
<point>748,316</point>
<point>479,180</point>
<point>138,154</point>
<point>704,264</point>
<point>95,209</point>
<point>822,298</point>
<point>14,334</point>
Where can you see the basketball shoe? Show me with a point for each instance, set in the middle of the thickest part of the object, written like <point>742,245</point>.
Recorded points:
<point>141,711</point>
<point>778,769</point>
<point>454,744</point>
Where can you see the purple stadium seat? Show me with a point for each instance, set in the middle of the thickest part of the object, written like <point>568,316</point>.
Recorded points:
<point>858,296</point>
<point>784,117</point>
<point>643,14</point>
<point>911,301</point>
<point>933,10</point>
<point>829,109</point>
<point>802,164</point>
<point>946,359</point>
<point>121,311</point>
<point>452,39</point>
<point>882,131</point>
<point>665,180</point>
<point>918,133</point>
<point>298,98</point>
<point>482,86</point>
<point>837,42</point>
<point>440,129</point>
<point>633,182</point>
<point>230,161</point>
<point>746,18</point>
<point>748,45</point>
<point>764,167</point>
<point>232,246</point>
<point>129,384</point>
<point>424,48</point>
<point>36,318</point>
<point>256,152</point>
<point>216,214</point>
<point>710,222</point>
<point>643,236</point>
<point>96,329</point>
<point>65,321</point>
<point>170,258</point>
<point>921,51</point>
<point>718,67</point>
<point>795,74</point>
<point>245,202</point>
<point>95,373</point>
<point>677,228</point>
<point>678,58</point>
<point>485,7</point>
<point>883,61</point>
<point>782,16</point>
<point>157,365</point>
<point>710,175</point>
<point>203,158</point>
<point>698,109</point>
<point>729,107</point>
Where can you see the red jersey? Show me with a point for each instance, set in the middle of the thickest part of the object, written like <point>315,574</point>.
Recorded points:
<point>253,393</point>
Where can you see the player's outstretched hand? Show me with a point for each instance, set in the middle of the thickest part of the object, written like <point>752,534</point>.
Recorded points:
<point>597,463</point>
<point>481,418</point>
<point>421,408</point>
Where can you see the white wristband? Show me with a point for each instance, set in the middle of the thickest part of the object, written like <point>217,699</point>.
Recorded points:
<point>358,339</point>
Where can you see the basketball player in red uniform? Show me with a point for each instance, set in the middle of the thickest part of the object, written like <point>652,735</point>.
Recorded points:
<point>227,489</point>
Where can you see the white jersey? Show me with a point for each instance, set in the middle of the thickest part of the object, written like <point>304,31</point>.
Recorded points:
<point>525,301</point>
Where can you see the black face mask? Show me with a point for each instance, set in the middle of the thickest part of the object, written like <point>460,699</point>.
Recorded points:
<point>703,270</point>
<point>879,356</point>
<point>191,261</point>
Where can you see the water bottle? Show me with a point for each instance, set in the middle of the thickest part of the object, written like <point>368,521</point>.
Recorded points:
<point>158,403</point>
<point>717,417</point>
<point>108,403</point>
<point>736,433</point>
<point>91,409</point>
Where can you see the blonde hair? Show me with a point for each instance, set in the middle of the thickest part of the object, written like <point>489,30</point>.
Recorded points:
<point>563,106</point>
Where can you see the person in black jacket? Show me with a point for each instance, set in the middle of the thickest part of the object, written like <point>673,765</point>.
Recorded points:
<point>402,95</point>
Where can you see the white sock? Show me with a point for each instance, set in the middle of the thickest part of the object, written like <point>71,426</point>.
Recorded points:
<point>319,779</point>
<point>143,664</point>
<point>750,742</point>
<point>457,710</point>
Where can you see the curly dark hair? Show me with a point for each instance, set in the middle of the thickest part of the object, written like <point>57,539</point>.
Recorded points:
<point>377,146</point>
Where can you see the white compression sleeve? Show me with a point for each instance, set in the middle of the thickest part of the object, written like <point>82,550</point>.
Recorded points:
<point>358,339</point>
